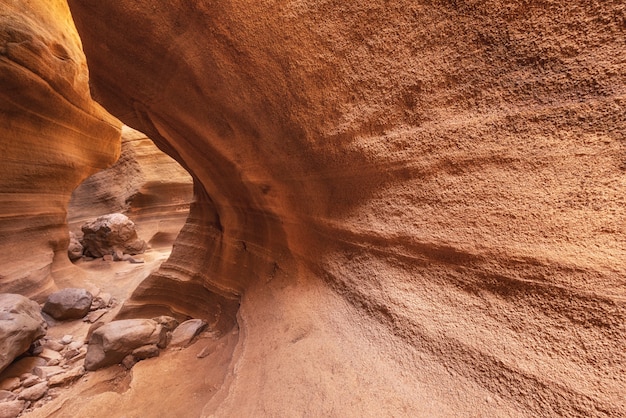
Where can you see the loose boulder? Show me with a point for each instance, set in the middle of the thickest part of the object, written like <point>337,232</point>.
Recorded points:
<point>21,324</point>
<point>70,303</point>
<point>111,234</point>
<point>110,343</point>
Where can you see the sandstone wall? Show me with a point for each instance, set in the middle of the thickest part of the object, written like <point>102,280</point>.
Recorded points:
<point>419,205</point>
<point>452,169</point>
<point>52,136</point>
<point>145,184</point>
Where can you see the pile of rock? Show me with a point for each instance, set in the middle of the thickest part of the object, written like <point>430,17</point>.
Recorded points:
<point>131,340</point>
<point>112,237</point>
<point>44,363</point>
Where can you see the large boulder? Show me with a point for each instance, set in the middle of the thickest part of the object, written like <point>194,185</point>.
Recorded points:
<point>110,234</point>
<point>110,343</point>
<point>21,323</point>
<point>70,303</point>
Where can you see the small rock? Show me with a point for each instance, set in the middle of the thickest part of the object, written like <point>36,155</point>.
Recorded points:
<point>107,257</point>
<point>205,352</point>
<point>75,248</point>
<point>95,315</point>
<point>66,339</point>
<point>34,392</point>
<point>134,260</point>
<point>6,396</point>
<point>110,343</point>
<point>129,361</point>
<point>53,362</point>
<point>10,383</point>
<point>54,345</point>
<point>186,332</point>
<point>49,354</point>
<point>70,303</point>
<point>101,301</point>
<point>146,351</point>
<point>67,377</point>
<point>75,345</point>
<point>168,322</point>
<point>25,365</point>
<point>12,409</point>
<point>45,372</point>
<point>32,380</point>
<point>118,255</point>
<point>25,376</point>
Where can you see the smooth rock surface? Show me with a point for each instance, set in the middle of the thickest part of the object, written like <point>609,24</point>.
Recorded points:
<point>53,137</point>
<point>186,332</point>
<point>69,303</point>
<point>21,324</point>
<point>110,343</point>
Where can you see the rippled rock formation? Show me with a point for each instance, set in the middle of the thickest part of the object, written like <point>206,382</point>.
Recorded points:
<point>52,136</point>
<point>407,209</point>
<point>144,184</point>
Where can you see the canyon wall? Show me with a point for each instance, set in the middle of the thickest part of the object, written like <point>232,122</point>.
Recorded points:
<point>52,136</point>
<point>145,184</point>
<point>453,170</point>
<point>403,208</point>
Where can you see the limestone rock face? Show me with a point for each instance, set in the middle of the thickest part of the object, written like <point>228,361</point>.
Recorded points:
<point>110,234</point>
<point>52,137</point>
<point>110,343</point>
<point>21,323</point>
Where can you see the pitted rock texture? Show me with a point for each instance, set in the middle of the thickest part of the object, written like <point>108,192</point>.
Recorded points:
<point>69,303</point>
<point>453,170</point>
<point>52,137</point>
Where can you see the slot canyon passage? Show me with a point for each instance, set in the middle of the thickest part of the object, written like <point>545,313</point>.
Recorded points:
<point>400,208</point>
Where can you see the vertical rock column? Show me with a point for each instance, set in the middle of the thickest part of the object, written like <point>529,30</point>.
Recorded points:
<point>52,136</point>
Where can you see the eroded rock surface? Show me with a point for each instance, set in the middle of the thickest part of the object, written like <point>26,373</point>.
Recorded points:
<point>21,324</point>
<point>53,136</point>
<point>408,209</point>
<point>451,170</point>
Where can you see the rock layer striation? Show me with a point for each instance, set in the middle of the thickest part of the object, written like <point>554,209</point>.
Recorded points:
<point>52,136</point>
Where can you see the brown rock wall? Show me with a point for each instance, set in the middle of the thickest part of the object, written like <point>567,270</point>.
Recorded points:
<point>52,136</point>
<point>453,169</point>
<point>419,205</point>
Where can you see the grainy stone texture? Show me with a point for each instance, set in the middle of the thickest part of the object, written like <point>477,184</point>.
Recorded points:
<point>408,208</point>
<point>21,324</point>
